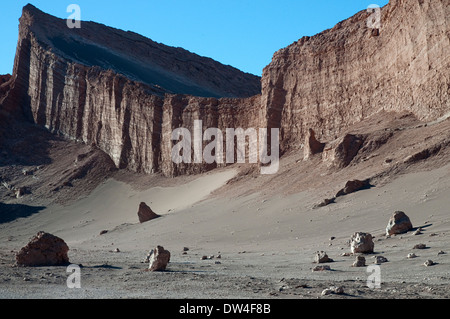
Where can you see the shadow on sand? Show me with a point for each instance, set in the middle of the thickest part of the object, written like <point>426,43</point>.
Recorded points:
<point>10,212</point>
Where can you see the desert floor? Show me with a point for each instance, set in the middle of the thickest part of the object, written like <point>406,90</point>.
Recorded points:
<point>266,241</point>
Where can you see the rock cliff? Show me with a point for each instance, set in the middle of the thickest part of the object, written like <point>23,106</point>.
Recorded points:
<point>87,84</point>
<point>348,73</point>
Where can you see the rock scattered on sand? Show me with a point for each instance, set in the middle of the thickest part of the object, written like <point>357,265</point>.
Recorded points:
<point>103,232</point>
<point>145,213</point>
<point>380,259</point>
<point>321,257</point>
<point>411,255</point>
<point>44,249</point>
<point>158,259</point>
<point>325,202</point>
<point>418,232</point>
<point>321,268</point>
<point>353,186</point>
<point>429,262</point>
<point>420,246</point>
<point>361,243</point>
<point>20,191</point>
<point>441,252</point>
<point>360,261</point>
<point>333,290</point>
<point>398,223</point>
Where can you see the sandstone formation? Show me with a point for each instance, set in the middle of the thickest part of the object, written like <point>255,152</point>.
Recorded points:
<point>87,85</point>
<point>312,145</point>
<point>361,243</point>
<point>398,223</point>
<point>145,213</point>
<point>158,259</point>
<point>44,249</point>
<point>344,75</point>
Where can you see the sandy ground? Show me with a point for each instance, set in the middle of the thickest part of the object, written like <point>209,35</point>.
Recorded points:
<point>266,243</point>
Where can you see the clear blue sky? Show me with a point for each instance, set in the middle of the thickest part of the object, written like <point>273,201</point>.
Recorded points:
<point>241,33</point>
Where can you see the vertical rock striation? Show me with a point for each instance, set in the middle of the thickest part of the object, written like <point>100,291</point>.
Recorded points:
<point>346,74</point>
<point>126,93</point>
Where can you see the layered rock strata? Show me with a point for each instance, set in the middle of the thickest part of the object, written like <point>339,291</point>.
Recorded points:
<point>88,85</point>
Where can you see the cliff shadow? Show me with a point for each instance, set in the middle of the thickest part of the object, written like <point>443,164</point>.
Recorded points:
<point>24,144</point>
<point>10,212</point>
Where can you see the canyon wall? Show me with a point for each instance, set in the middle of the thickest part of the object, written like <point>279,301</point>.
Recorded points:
<point>88,85</point>
<point>348,73</point>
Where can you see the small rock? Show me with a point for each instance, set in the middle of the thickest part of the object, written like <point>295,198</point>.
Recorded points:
<point>429,263</point>
<point>440,252</point>
<point>411,255</point>
<point>117,250</point>
<point>185,248</point>
<point>346,254</point>
<point>417,232</point>
<point>103,232</point>
<point>321,257</point>
<point>327,291</point>
<point>380,259</point>
<point>204,257</point>
<point>338,290</point>
<point>321,268</point>
<point>333,290</point>
<point>420,246</point>
<point>359,262</point>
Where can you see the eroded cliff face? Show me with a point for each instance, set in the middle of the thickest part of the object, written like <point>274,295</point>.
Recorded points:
<point>348,73</point>
<point>88,86</point>
<point>79,83</point>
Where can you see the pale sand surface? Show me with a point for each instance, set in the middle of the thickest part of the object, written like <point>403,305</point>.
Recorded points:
<point>266,243</point>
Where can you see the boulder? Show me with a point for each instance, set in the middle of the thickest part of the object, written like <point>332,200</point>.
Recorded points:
<point>361,243</point>
<point>353,186</point>
<point>145,213</point>
<point>398,223</point>
<point>44,249</point>
<point>158,259</point>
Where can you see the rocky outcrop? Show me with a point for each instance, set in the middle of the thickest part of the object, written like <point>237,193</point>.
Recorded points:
<point>145,213</point>
<point>87,85</point>
<point>312,145</point>
<point>44,249</point>
<point>345,74</point>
